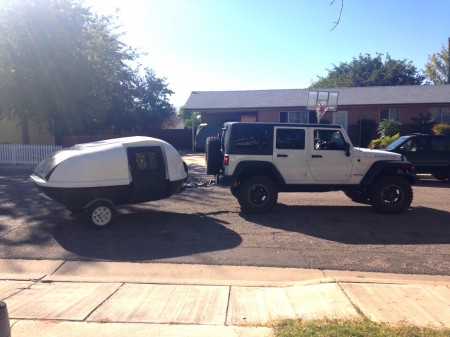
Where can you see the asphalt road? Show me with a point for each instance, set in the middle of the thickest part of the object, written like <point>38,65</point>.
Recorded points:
<point>205,226</point>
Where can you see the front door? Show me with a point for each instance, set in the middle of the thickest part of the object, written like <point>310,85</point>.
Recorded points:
<point>290,153</point>
<point>148,173</point>
<point>328,162</point>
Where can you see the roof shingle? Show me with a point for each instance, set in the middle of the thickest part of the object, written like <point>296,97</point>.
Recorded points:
<point>284,98</point>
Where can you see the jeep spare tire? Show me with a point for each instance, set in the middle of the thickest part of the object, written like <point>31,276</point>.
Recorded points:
<point>213,155</point>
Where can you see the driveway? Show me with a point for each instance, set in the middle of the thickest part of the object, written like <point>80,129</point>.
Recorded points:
<point>205,226</point>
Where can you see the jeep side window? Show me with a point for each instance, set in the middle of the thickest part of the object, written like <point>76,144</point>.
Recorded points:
<point>251,138</point>
<point>328,140</point>
<point>290,139</point>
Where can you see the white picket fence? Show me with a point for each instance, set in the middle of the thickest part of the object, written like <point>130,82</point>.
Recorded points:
<point>17,154</point>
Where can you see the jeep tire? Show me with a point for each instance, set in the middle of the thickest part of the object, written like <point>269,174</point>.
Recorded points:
<point>213,155</point>
<point>391,195</point>
<point>257,194</point>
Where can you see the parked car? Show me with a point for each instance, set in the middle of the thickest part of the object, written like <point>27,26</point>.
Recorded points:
<point>203,132</point>
<point>95,177</point>
<point>429,154</point>
<point>259,160</point>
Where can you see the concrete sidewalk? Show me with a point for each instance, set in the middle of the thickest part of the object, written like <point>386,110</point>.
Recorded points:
<point>73,298</point>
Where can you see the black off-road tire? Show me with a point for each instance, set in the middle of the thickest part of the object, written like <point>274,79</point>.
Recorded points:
<point>257,194</point>
<point>391,195</point>
<point>101,214</point>
<point>213,155</point>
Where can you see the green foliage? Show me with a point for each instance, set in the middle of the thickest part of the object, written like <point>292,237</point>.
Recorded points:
<point>441,129</point>
<point>354,328</point>
<point>388,127</point>
<point>382,142</point>
<point>436,69</point>
<point>186,116</point>
<point>423,123</point>
<point>66,67</point>
<point>366,71</point>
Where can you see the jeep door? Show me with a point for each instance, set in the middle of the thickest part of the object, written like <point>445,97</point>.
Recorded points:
<point>328,160</point>
<point>290,153</point>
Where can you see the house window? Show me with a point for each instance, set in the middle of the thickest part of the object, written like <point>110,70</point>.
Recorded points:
<point>390,114</point>
<point>441,115</point>
<point>294,117</point>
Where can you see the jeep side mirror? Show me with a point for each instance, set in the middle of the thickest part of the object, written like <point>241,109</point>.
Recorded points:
<point>347,149</point>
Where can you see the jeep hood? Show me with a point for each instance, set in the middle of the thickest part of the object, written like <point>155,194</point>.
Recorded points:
<point>361,152</point>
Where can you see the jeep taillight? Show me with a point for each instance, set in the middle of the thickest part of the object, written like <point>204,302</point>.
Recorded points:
<point>226,160</point>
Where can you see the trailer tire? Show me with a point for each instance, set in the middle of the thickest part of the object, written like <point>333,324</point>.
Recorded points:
<point>213,155</point>
<point>101,214</point>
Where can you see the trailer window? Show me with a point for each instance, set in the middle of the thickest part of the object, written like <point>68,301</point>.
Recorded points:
<point>146,161</point>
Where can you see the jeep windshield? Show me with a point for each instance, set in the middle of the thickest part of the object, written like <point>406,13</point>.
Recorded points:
<point>396,143</point>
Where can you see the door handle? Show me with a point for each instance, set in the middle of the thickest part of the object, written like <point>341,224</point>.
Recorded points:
<point>316,156</point>
<point>282,155</point>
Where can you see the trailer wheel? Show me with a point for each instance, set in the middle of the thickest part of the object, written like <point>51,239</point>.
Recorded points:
<point>101,214</point>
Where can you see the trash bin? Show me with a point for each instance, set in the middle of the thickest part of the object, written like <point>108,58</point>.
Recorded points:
<point>5,329</point>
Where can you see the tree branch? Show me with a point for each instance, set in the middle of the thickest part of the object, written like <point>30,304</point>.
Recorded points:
<point>340,13</point>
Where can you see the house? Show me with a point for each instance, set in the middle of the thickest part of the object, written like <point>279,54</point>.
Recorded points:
<point>358,107</point>
<point>11,132</point>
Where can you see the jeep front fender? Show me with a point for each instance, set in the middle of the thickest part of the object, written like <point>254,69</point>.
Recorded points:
<point>390,167</point>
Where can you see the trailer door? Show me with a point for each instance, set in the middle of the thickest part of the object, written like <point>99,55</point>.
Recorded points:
<point>148,172</point>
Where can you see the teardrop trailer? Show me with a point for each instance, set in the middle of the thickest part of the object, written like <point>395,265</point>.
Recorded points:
<point>95,177</point>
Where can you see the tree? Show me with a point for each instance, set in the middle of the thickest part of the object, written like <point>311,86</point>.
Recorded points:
<point>423,123</point>
<point>437,68</point>
<point>188,117</point>
<point>64,66</point>
<point>366,71</point>
<point>152,105</point>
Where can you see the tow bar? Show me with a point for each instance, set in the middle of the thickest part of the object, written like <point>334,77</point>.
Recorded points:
<point>199,183</point>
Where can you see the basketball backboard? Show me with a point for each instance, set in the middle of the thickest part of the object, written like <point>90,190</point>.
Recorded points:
<point>327,99</point>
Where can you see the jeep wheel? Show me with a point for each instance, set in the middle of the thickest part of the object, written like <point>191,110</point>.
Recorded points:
<point>392,195</point>
<point>257,194</point>
<point>213,155</point>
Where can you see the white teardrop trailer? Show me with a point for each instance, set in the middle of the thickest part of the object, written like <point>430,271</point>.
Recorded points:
<point>95,177</point>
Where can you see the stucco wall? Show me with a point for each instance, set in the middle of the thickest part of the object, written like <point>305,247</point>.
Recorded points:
<point>11,133</point>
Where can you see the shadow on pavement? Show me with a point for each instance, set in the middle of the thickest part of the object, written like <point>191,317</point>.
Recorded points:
<point>360,224</point>
<point>145,236</point>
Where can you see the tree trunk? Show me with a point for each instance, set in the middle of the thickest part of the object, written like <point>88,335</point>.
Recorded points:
<point>25,130</point>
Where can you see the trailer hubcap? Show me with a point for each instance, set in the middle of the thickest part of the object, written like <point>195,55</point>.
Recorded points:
<point>101,216</point>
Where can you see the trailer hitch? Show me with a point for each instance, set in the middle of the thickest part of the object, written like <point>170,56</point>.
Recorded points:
<point>200,183</point>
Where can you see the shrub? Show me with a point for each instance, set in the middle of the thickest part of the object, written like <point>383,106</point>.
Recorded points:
<point>382,142</point>
<point>441,129</point>
<point>388,128</point>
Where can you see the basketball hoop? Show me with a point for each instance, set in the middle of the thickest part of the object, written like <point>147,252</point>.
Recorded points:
<point>321,102</point>
<point>320,110</point>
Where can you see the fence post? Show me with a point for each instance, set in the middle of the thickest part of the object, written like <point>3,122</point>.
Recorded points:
<point>5,328</point>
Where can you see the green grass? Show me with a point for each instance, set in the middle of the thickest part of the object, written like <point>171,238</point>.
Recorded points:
<point>351,328</point>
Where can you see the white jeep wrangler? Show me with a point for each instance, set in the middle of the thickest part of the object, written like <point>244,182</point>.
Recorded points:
<point>258,160</point>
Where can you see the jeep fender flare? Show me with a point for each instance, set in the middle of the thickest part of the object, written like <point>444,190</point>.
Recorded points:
<point>390,167</point>
<point>251,168</point>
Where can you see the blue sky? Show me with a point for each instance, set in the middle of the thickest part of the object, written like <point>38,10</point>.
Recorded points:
<point>272,44</point>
